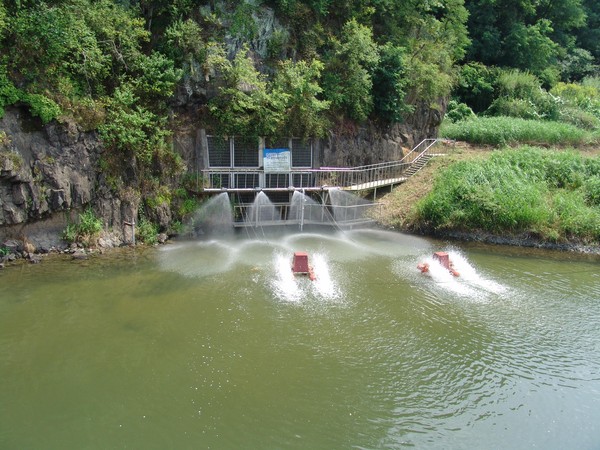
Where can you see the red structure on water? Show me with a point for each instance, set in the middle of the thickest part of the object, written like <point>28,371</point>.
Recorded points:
<point>444,260</point>
<point>300,265</point>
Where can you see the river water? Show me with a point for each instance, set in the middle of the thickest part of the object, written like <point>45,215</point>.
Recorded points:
<point>214,344</point>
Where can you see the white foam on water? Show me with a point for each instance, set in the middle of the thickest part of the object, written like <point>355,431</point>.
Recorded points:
<point>324,285</point>
<point>288,287</point>
<point>284,283</point>
<point>471,276</point>
<point>445,280</point>
<point>185,258</point>
<point>469,284</point>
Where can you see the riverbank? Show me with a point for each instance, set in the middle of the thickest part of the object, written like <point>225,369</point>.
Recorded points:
<point>398,212</point>
<point>16,251</point>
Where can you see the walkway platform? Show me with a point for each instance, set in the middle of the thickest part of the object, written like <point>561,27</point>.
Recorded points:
<point>375,184</point>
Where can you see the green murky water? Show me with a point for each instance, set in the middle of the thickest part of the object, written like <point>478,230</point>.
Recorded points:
<point>214,344</point>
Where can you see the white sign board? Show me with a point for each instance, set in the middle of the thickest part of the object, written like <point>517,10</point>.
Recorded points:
<point>277,159</point>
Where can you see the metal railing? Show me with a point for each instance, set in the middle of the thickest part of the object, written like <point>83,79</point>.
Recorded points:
<point>357,178</point>
<point>283,214</point>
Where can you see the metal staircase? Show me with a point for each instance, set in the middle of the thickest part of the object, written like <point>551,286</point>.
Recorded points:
<point>417,165</point>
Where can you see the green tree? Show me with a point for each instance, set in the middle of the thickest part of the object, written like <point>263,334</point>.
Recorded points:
<point>305,112</point>
<point>348,80</point>
<point>532,47</point>
<point>526,34</point>
<point>475,86</point>
<point>434,36</point>
<point>132,130</point>
<point>247,105</point>
<point>389,84</point>
<point>3,18</point>
<point>588,37</point>
<point>154,78</point>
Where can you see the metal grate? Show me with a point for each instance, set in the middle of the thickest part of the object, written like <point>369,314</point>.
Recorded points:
<point>246,180</point>
<point>245,152</point>
<point>301,153</point>
<point>219,152</point>
<point>301,180</point>
<point>220,180</point>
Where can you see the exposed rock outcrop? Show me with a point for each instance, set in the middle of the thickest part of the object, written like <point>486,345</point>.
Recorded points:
<point>354,146</point>
<point>47,174</point>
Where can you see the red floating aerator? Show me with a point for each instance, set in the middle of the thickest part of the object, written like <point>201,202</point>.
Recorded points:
<point>300,265</point>
<point>444,260</point>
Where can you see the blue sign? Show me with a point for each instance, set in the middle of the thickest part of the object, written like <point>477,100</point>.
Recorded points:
<point>277,159</point>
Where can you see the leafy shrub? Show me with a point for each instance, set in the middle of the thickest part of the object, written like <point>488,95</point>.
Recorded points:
<point>591,81</point>
<point>248,104</point>
<point>42,107</point>
<point>132,129</point>
<point>475,86</point>
<point>513,107</point>
<point>305,112</point>
<point>347,81</point>
<point>517,84</point>
<point>389,84</point>
<point>458,111</point>
<point>9,94</point>
<point>581,104</point>
<point>161,196</point>
<point>146,231</point>
<point>85,230</point>
<point>579,118</point>
<point>520,94</point>
<point>576,94</point>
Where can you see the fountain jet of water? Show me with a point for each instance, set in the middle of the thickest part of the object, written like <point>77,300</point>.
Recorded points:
<point>304,209</point>
<point>347,207</point>
<point>262,210</point>
<point>215,216</point>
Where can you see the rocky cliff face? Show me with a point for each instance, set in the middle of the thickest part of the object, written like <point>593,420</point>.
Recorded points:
<point>355,146</point>
<point>47,174</point>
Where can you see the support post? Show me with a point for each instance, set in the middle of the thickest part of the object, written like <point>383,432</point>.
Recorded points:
<point>132,225</point>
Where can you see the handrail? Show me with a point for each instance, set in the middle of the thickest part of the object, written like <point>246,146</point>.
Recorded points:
<point>403,160</point>
<point>345,177</point>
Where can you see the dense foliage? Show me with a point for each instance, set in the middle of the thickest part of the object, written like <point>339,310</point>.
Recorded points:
<point>550,194</point>
<point>505,130</point>
<point>356,60</point>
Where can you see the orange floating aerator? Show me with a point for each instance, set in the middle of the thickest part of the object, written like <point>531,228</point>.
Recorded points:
<point>300,265</point>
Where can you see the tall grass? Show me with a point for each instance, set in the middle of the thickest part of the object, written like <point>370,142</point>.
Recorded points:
<point>552,194</point>
<point>510,131</point>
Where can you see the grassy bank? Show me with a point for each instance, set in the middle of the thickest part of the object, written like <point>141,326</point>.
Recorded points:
<point>553,195</point>
<point>510,131</point>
